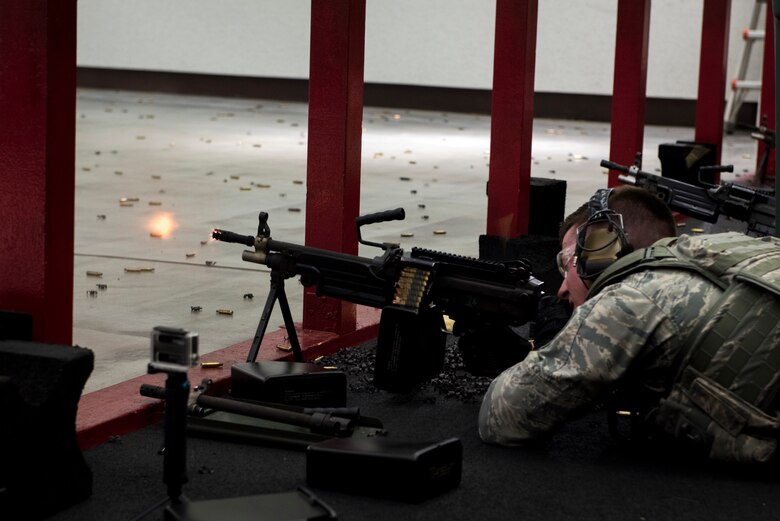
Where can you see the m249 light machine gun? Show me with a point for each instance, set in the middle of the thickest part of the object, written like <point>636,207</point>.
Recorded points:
<point>707,203</point>
<point>414,290</point>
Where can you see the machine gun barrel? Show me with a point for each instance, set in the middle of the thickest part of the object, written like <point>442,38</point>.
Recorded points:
<point>338,275</point>
<point>459,285</point>
<point>414,291</point>
<point>226,236</point>
<point>691,200</point>
<point>706,203</point>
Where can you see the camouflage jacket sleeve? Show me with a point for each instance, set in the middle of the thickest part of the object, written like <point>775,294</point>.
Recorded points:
<point>579,366</point>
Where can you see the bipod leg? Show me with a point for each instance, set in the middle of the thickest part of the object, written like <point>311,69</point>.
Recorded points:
<point>262,325</point>
<point>292,336</point>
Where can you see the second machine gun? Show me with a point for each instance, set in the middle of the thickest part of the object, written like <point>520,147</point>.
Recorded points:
<point>414,290</point>
<point>756,208</point>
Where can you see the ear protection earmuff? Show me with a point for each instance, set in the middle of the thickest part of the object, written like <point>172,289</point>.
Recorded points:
<point>601,240</point>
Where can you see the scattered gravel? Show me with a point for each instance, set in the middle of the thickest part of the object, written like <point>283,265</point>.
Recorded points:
<point>454,382</point>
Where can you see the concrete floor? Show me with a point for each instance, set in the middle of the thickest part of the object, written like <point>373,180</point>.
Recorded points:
<point>202,163</point>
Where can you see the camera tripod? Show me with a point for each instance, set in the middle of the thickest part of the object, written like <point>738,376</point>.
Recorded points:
<point>177,390</point>
<point>179,508</point>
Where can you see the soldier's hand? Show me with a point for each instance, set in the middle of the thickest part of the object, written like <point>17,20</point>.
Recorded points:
<point>551,316</point>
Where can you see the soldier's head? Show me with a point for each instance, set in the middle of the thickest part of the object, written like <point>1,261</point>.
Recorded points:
<point>613,223</point>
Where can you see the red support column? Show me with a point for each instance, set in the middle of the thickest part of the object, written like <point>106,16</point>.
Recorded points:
<point>512,115</point>
<point>766,105</point>
<point>335,134</point>
<point>710,104</point>
<point>37,157</point>
<point>629,84</point>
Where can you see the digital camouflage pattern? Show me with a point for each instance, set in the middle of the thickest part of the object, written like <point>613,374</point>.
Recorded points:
<point>633,329</point>
<point>703,413</point>
<point>644,319</point>
<point>731,375</point>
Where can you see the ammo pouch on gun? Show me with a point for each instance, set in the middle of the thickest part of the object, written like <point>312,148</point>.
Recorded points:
<point>410,348</point>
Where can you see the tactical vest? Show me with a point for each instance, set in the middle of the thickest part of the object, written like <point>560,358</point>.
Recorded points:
<point>722,396</point>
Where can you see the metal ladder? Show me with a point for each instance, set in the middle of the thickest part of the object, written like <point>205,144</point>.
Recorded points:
<point>741,86</point>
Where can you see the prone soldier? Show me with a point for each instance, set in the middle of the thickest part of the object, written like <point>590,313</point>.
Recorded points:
<point>647,326</point>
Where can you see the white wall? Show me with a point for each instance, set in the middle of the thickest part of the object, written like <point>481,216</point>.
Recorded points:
<point>445,43</point>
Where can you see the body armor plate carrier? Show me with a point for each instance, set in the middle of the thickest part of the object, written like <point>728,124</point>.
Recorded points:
<point>722,397</point>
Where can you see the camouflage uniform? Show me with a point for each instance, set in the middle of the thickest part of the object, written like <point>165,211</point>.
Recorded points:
<point>635,326</point>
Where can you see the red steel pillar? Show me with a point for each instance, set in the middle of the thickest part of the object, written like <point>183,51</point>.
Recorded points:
<point>37,158</point>
<point>766,105</point>
<point>512,114</point>
<point>629,84</point>
<point>335,134</point>
<point>713,60</point>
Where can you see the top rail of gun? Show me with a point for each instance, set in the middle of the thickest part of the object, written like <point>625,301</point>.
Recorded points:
<point>461,260</point>
<point>289,248</point>
<point>271,246</point>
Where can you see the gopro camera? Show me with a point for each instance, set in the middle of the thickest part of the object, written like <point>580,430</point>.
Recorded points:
<point>174,348</point>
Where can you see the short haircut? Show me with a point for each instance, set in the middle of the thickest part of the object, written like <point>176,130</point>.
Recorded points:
<point>646,218</point>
